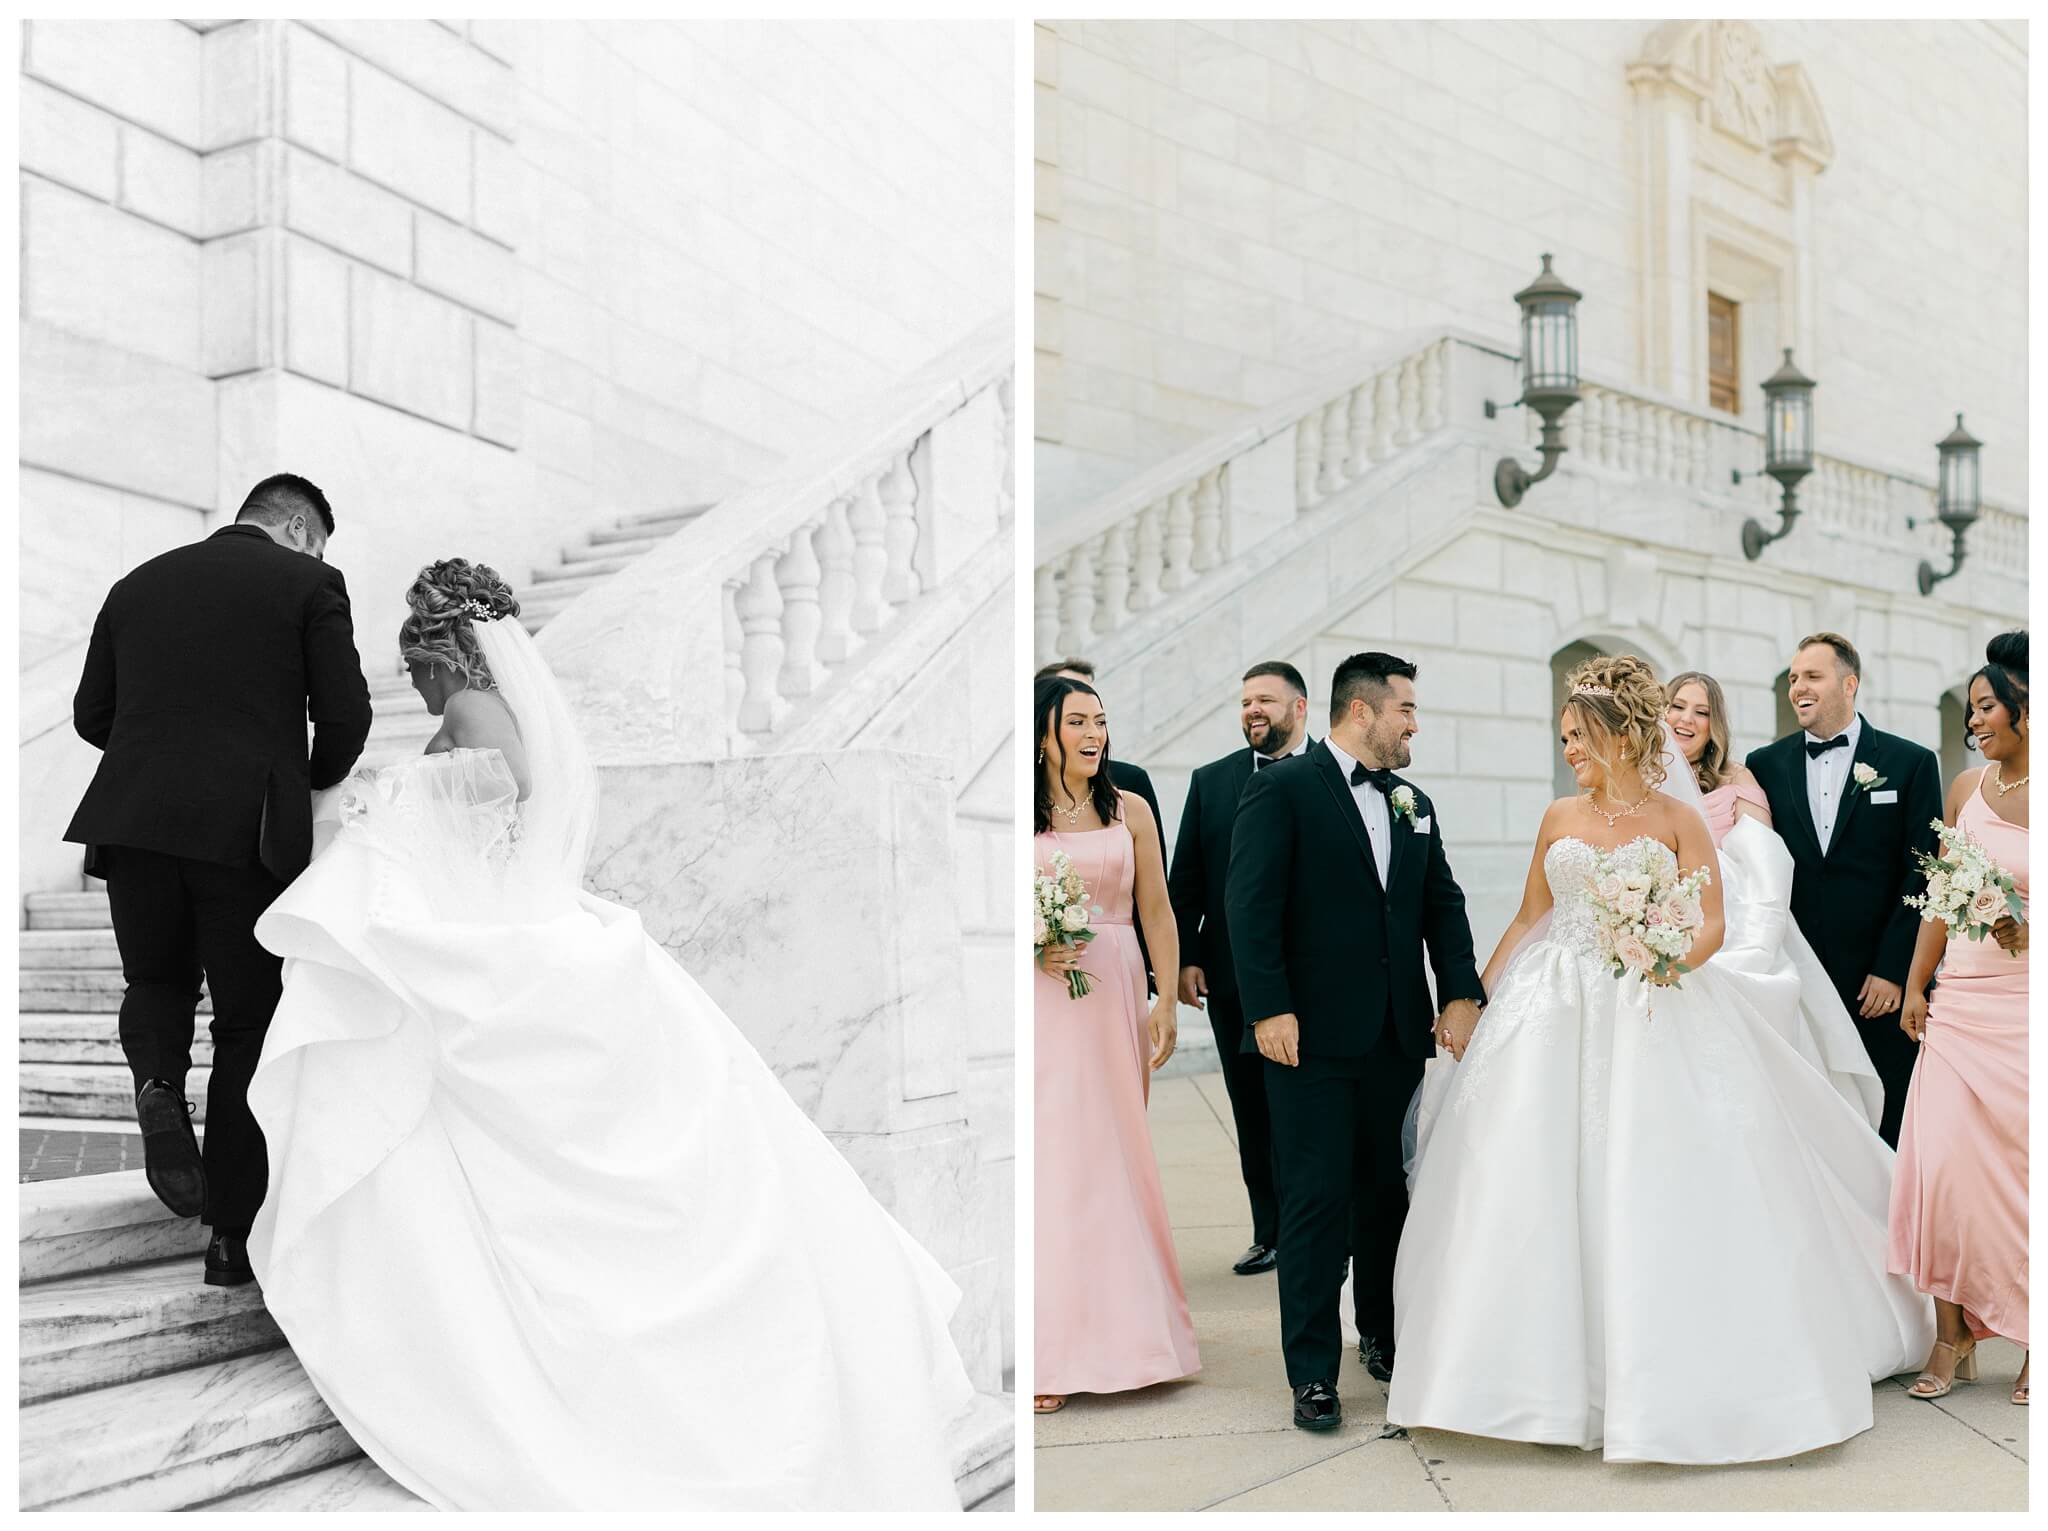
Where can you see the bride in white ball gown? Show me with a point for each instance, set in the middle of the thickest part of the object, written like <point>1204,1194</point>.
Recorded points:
<point>1641,1221</point>
<point>543,1228</point>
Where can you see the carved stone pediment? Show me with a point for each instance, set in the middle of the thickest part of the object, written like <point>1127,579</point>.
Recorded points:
<point>1764,107</point>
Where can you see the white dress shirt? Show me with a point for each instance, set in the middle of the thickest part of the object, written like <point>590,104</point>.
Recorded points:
<point>1827,780</point>
<point>1372,807</point>
<point>1260,762</point>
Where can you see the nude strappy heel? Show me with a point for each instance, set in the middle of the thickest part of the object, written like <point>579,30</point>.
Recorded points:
<point>1929,1387</point>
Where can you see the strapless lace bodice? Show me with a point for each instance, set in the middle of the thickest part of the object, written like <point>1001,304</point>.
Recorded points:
<point>1568,867</point>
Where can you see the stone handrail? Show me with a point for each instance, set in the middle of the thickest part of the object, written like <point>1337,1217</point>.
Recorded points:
<point>736,627</point>
<point>1128,551</point>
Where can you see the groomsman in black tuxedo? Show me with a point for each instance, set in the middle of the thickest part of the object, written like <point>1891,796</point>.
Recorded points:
<point>1273,711</point>
<point>1338,890</point>
<point>1124,776</point>
<point>204,668</point>
<point>1853,804</point>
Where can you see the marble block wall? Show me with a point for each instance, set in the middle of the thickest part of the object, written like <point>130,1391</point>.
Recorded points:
<point>813,896</point>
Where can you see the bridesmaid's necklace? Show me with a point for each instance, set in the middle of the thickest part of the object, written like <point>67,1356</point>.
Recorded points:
<point>1071,815</point>
<point>1998,780</point>
<point>1614,818</point>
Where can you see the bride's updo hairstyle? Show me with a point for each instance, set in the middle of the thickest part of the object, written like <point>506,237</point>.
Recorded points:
<point>2005,671</point>
<point>447,600</point>
<point>1617,700</point>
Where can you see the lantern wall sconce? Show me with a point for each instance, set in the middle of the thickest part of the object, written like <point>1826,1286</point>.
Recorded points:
<point>1788,449</point>
<point>1957,501</point>
<point>1550,376</point>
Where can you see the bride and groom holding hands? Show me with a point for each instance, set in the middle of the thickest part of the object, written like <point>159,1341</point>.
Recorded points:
<point>1561,1224</point>
<point>532,1213</point>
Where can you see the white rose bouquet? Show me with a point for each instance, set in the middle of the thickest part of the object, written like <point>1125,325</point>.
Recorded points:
<point>1645,913</point>
<point>1060,916</point>
<point>1966,890</point>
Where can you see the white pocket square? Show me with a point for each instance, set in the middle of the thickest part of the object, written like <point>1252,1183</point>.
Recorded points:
<point>1889,795</point>
<point>1422,825</point>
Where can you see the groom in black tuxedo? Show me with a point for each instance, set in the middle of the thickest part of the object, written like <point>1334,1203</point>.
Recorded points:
<point>1853,804</point>
<point>1338,888</point>
<point>204,667</point>
<point>1273,711</point>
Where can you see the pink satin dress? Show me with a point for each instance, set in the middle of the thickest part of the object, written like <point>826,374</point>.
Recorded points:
<point>1111,1312</point>
<point>1959,1203</point>
<point>1720,805</point>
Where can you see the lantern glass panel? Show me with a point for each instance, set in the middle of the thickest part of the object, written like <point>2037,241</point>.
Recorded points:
<point>1550,348</point>
<point>1788,423</point>
<point>1959,482</point>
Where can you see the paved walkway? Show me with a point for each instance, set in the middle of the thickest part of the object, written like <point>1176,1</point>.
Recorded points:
<point>60,1153</point>
<point>1223,1439</point>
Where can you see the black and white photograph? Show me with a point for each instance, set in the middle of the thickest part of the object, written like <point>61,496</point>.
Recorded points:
<point>1530,734</point>
<point>516,838</point>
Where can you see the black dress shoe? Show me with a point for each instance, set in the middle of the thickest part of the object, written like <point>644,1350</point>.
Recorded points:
<point>227,1260</point>
<point>170,1151</point>
<point>1378,1356</point>
<point>1316,1407</point>
<point>1260,1257</point>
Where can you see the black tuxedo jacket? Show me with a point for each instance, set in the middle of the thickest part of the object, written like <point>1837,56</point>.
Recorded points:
<point>1126,777</point>
<point>1201,869</point>
<point>1311,929</point>
<point>204,666</point>
<point>1847,900</point>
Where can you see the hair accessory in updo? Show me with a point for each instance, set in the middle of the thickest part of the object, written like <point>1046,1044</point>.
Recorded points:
<point>1591,691</point>
<point>478,611</point>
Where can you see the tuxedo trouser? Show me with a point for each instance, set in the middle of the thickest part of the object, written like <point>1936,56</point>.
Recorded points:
<point>176,920</point>
<point>1336,1125</point>
<point>1244,1080</point>
<point>1892,1054</point>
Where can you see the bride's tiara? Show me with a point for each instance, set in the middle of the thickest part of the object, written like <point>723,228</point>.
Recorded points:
<point>1591,691</point>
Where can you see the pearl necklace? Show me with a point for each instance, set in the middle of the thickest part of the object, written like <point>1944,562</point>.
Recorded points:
<point>1998,780</point>
<point>1614,818</point>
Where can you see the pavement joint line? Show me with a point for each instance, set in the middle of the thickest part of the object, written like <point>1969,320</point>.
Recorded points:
<point>1278,1477</point>
<point>1427,1471</point>
<point>1966,1424</point>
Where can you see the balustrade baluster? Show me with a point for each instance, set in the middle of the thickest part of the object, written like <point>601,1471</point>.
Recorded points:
<point>1208,520</point>
<point>1180,540</point>
<point>1610,428</point>
<point>1667,455</point>
<point>1113,580</point>
<point>1077,599</point>
<point>1006,446</point>
<point>759,604</point>
<point>799,578</point>
<point>1386,411</point>
<point>1358,430</point>
<point>899,531</point>
<point>836,637</point>
<point>1308,453</point>
<point>1150,560</point>
<point>1045,610</point>
<point>1336,445</point>
<point>870,558</point>
<point>735,678</point>
<point>1405,432</point>
<point>1435,361</point>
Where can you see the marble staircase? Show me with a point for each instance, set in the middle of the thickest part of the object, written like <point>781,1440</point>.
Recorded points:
<point>141,1388</point>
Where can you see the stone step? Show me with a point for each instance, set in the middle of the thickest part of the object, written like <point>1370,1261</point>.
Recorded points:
<point>657,528</point>
<point>62,1038</point>
<point>69,911</point>
<point>42,950</point>
<point>542,602</point>
<point>93,991</point>
<point>184,1438</point>
<point>600,564</point>
<point>85,1092</point>
<point>622,547</point>
<point>984,1442</point>
<point>97,1223</point>
<point>136,1321</point>
<point>359,1484</point>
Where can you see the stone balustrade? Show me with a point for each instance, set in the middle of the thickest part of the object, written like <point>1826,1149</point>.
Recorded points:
<point>1107,564</point>
<point>771,600</point>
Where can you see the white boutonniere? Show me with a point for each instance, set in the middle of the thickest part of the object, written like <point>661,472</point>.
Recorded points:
<point>1866,775</point>
<point>1402,800</point>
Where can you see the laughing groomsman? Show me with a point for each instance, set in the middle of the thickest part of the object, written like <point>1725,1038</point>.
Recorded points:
<point>1853,804</point>
<point>1273,711</point>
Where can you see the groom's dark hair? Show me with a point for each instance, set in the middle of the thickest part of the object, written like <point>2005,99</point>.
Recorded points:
<point>1364,677</point>
<point>1280,669</point>
<point>284,495</point>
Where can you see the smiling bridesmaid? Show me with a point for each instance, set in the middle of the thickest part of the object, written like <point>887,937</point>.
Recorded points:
<point>1959,1204</point>
<point>1111,1312</point>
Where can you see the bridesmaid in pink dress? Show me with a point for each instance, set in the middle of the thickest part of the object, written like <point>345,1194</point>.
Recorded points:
<point>1111,1312</point>
<point>1959,1204</point>
<point>1699,718</point>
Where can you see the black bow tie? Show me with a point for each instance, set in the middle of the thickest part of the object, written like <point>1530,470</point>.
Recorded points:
<point>1260,762</point>
<point>1377,776</point>
<point>1815,748</point>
